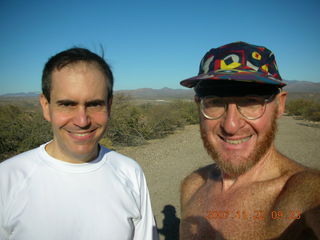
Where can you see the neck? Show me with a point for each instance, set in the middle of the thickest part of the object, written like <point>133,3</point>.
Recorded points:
<point>53,150</point>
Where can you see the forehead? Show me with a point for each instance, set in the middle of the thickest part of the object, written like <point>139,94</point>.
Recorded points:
<point>233,89</point>
<point>79,78</point>
<point>79,67</point>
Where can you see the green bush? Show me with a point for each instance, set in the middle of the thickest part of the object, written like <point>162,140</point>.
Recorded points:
<point>308,109</point>
<point>134,124</point>
<point>21,131</point>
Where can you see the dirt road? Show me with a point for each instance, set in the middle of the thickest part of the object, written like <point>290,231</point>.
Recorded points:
<point>167,161</point>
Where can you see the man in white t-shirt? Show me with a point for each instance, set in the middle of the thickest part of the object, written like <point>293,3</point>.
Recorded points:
<point>72,187</point>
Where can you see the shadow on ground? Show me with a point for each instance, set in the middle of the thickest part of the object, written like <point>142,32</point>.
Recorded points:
<point>170,225</point>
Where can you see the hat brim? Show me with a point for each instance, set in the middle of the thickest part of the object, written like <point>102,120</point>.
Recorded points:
<point>241,76</point>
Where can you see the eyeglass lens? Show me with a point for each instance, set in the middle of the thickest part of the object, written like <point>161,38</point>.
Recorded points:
<point>249,107</point>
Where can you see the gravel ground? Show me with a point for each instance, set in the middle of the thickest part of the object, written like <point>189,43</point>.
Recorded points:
<point>167,161</point>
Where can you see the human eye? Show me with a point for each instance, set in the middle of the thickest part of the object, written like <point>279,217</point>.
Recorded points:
<point>213,102</point>
<point>95,104</point>
<point>66,104</point>
<point>251,101</point>
<point>212,107</point>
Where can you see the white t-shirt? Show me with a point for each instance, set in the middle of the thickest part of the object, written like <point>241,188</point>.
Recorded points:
<point>42,198</point>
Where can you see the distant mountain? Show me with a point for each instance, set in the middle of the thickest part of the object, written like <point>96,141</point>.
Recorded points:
<point>186,93</point>
<point>154,94</point>
<point>303,87</point>
<point>168,93</point>
<point>21,94</point>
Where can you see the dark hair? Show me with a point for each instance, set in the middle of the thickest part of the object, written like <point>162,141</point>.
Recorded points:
<point>70,56</point>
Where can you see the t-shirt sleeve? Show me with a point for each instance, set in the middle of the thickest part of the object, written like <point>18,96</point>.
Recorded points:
<point>2,235</point>
<point>3,192</point>
<point>145,228</point>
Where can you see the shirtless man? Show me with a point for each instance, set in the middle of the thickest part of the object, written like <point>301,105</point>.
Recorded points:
<point>252,191</point>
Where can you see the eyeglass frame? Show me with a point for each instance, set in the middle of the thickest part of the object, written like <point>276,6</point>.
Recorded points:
<point>266,101</point>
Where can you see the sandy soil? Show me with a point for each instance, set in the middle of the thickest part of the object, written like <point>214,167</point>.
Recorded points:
<point>167,161</point>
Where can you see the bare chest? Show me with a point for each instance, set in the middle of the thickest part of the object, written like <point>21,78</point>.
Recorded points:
<point>246,213</point>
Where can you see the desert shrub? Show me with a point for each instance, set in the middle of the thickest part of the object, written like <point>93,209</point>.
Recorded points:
<point>312,111</point>
<point>21,131</point>
<point>308,109</point>
<point>297,107</point>
<point>187,111</point>
<point>38,132</point>
<point>132,124</point>
<point>123,127</point>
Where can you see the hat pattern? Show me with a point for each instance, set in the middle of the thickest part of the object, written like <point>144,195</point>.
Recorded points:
<point>238,61</point>
<point>240,57</point>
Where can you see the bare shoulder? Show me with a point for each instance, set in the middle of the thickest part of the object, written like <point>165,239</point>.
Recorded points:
<point>301,193</point>
<point>305,182</point>
<point>302,190</point>
<point>193,182</point>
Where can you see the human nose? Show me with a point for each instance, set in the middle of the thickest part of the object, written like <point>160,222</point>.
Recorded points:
<point>231,120</point>
<point>82,118</point>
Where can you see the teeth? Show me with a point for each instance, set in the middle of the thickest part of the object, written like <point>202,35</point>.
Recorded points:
<point>81,134</point>
<point>234,142</point>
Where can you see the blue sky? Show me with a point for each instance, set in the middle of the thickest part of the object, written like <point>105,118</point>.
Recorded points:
<point>154,43</point>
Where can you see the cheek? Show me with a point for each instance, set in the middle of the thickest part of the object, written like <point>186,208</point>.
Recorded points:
<point>60,118</point>
<point>208,129</point>
<point>264,124</point>
<point>209,126</point>
<point>100,117</point>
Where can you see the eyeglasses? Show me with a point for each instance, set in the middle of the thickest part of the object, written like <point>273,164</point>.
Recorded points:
<point>250,107</point>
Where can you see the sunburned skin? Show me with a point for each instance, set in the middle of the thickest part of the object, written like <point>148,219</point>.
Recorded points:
<point>276,208</point>
<point>256,194</point>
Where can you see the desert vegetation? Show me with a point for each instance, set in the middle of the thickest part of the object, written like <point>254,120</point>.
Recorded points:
<point>130,124</point>
<point>308,109</point>
<point>134,124</point>
<point>21,130</point>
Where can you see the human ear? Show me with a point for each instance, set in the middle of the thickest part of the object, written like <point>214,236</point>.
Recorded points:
<point>45,107</point>
<point>197,100</point>
<point>281,100</point>
<point>109,104</point>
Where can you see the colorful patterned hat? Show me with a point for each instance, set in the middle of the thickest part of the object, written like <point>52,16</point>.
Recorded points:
<point>238,61</point>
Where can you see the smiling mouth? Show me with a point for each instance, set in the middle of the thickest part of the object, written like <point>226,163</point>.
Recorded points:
<point>236,141</point>
<point>82,134</point>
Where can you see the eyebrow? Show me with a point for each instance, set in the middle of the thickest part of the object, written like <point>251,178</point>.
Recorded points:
<point>65,101</point>
<point>71,102</point>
